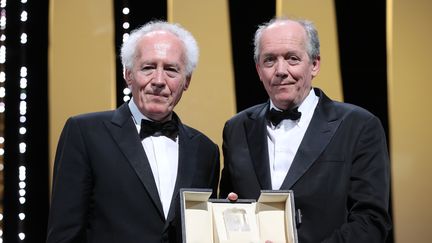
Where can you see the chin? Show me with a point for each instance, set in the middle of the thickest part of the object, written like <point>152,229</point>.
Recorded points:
<point>164,111</point>
<point>284,103</point>
<point>158,111</point>
<point>284,98</point>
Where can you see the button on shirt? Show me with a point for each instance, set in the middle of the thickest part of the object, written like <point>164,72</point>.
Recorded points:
<point>284,139</point>
<point>162,154</point>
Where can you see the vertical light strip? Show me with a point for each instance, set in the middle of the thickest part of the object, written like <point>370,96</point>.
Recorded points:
<point>279,8</point>
<point>391,112</point>
<point>212,90</point>
<point>389,37</point>
<point>2,104</point>
<point>170,10</point>
<point>323,15</point>
<point>125,33</point>
<point>22,144</point>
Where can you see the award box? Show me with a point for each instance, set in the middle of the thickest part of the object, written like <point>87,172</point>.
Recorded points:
<point>205,220</point>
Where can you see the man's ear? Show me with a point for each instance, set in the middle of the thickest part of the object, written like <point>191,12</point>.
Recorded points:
<point>316,65</point>
<point>187,82</point>
<point>127,74</point>
<point>258,69</point>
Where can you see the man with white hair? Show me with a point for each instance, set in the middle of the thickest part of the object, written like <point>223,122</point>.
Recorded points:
<point>118,173</point>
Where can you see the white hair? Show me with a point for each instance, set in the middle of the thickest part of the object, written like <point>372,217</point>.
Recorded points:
<point>128,49</point>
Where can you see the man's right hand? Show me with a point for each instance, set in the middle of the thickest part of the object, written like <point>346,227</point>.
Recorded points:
<point>232,196</point>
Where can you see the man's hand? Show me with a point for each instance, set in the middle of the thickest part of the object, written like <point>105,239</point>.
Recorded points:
<point>232,196</point>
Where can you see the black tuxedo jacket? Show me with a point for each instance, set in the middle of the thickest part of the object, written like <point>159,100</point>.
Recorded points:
<point>340,173</point>
<point>104,190</point>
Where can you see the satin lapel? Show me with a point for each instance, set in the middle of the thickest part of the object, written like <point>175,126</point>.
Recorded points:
<point>319,133</point>
<point>186,167</point>
<point>256,133</point>
<point>125,134</point>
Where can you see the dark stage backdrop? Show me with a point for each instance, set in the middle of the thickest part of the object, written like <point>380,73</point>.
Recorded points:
<point>362,48</point>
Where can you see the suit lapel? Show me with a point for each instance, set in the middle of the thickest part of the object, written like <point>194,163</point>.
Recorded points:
<point>321,129</point>
<point>255,129</point>
<point>125,134</point>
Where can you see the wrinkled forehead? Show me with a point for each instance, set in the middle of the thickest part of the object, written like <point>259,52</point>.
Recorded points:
<point>161,42</point>
<point>160,46</point>
<point>161,36</point>
<point>285,29</point>
<point>283,37</point>
<point>156,33</point>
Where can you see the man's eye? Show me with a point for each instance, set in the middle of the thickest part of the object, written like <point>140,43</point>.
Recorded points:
<point>268,62</point>
<point>147,68</point>
<point>172,70</point>
<point>293,60</point>
<point>172,74</point>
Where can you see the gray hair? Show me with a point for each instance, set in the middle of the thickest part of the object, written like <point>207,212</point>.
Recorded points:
<point>312,45</point>
<point>128,49</point>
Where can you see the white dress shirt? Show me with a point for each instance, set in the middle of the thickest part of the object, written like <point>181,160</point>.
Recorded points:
<point>162,153</point>
<point>284,139</point>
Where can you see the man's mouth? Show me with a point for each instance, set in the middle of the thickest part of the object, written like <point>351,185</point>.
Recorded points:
<point>158,95</point>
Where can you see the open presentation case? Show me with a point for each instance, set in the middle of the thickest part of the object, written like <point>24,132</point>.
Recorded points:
<point>205,220</point>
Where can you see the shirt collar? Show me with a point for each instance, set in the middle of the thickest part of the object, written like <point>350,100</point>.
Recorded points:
<point>306,107</point>
<point>136,113</point>
<point>308,104</point>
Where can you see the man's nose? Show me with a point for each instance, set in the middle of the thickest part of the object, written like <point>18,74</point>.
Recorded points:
<point>281,68</point>
<point>159,80</point>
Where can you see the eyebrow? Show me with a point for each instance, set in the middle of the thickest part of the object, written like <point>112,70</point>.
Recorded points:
<point>288,53</point>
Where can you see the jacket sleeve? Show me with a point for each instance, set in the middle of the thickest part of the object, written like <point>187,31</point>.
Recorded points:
<point>225,186</point>
<point>368,196</point>
<point>72,187</point>
<point>215,173</point>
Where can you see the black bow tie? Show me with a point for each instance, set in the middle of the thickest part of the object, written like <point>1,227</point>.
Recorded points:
<point>151,128</point>
<point>275,116</point>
